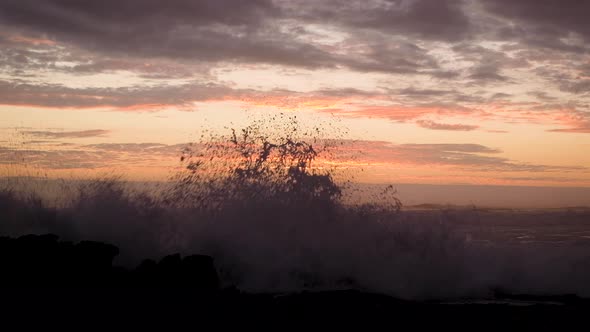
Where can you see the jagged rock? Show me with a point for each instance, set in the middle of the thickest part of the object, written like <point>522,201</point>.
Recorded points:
<point>34,261</point>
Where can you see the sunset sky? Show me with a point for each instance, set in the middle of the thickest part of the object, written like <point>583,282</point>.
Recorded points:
<point>431,91</point>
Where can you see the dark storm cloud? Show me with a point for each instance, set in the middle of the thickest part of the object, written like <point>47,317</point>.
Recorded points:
<point>544,24</point>
<point>265,31</point>
<point>572,79</point>
<point>109,17</point>
<point>242,31</point>
<point>438,98</point>
<point>383,54</point>
<point>427,19</point>
<point>487,73</point>
<point>548,18</point>
<point>414,92</point>
<point>542,95</point>
<point>26,60</point>
<point>488,64</point>
<point>451,44</point>
<point>157,69</point>
<point>21,60</point>
<point>500,95</point>
<point>576,86</point>
<point>209,30</point>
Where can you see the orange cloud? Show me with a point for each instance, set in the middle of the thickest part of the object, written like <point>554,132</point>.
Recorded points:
<point>445,126</point>
<point>371,161</point>
<point>293,102</point>
<point>349,103</point>
<point>576,121</point>
<point>318,100</point>
<point>397,113</point>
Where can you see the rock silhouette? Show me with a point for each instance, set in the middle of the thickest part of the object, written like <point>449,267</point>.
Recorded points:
<point>41,275</point>
<point>42,261</point>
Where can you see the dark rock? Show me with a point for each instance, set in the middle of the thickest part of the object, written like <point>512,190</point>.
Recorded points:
<point>198,271</point>
<point>41,261</point>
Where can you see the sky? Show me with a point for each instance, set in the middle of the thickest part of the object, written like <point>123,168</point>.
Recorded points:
<point>447,92</point>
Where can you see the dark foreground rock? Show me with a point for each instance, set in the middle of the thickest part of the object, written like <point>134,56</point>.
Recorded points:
<point>47,283</point>
<point>167,309</point>
<point>42,261</point>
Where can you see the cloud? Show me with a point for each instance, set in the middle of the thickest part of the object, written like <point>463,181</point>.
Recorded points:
<point>576,86</point>
<point>463,157</point>
<point>577,121</point>
<point>146,97</point>
<point>548,18</point>
<point>440,57</point>
<point>393,36</point>
<point>467,157</point>
<point>428,19</point>
<point>55,158</point>
<point>68,134</point>
<point>487,73</point>
<point>542,178</point>
<point>140,149</point>
<point>210,30</point>
<point>259,31</point>
<point>94,156</point>
<point>398,113</point>
<point>412,91</point>
<point>542,95</point>
<point>387,55</point>
<point>161,96</point>
<point>582,130</point>
<point>443,126</point>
